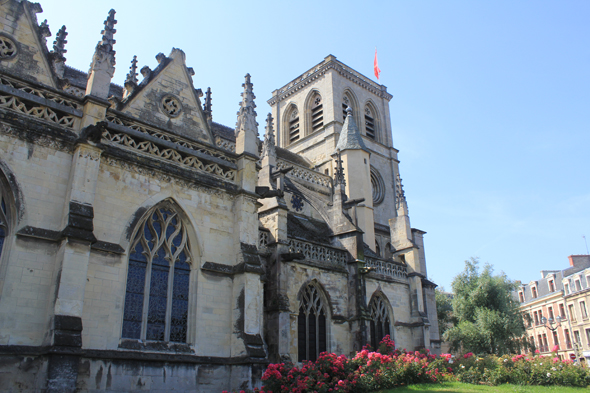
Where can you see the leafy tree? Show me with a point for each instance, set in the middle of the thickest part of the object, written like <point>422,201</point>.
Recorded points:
<point>487,317</point>
<point>444,311</point>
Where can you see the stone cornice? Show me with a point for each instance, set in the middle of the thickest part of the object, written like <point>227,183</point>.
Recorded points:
<point>321,69</point>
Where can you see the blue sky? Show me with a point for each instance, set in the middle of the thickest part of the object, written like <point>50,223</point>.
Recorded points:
<point>490,108</point>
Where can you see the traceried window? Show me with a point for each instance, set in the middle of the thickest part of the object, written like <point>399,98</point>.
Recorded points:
<point>156,302</point>
<point>317,113</point>
<point>311,324</point>
<point>380,321</point>
<point>370,128</point>
<point>3,221</point>
<point>345,105</point>
<point>293,124</point>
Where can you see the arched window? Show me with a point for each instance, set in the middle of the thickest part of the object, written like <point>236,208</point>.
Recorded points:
<point>380,322</point>
<point>293,125</point>
<point>377,248</point>
<point>388,251</point>
<point>370,122</point>
<point>348,100</point>
<point>311,324</point>
<point>3,221</point>
<point>156,302</point>
<point>317,112</point>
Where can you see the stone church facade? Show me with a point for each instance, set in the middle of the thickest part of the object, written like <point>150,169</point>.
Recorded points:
<point>144,246</point>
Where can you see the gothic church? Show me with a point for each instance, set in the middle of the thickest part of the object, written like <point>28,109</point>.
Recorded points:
<point>144,246</point>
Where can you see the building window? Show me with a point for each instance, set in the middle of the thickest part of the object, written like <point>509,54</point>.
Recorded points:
<point>550,310</point>
<point>370,127</point>
<point>380,321</point>
<point>346,103</point>
<point>545,343</point>
<point>293,124</point>
<point>587,281</point>
<point>377,249</point>
<point>317,113</point>
<point>588,336</point>
<point>551,286</point>
<point>536,315</point>
<point>555,339</point>
<point>567,289</point>
<point>583,310</point>
<point>572,313</point>
<point>568,341</point>
<point>577,337</point>
<point>377,186</point>
<point>534,291</point>
<point>562,311</point>
<point>311,324</point>
<point>156,302</point>
<point>578,285</point>
<point>521,297</point>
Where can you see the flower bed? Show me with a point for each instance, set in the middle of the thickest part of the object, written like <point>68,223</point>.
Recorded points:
<point>388,367</point>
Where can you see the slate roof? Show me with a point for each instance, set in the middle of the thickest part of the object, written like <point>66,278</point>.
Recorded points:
<point>350,136</point>
<point>80,78</point>
<point>224,132</point>
<point>307,228</point>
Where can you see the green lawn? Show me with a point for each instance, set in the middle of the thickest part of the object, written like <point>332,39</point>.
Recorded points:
<point>457,387</point>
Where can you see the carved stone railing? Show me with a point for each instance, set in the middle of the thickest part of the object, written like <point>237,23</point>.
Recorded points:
<point>302,173</point>
<point>166,148</point>
<point>152,131</point>
<point>225,144</point>
<point>323,255</point>
<point>42,104</point>
<point>387,268</point>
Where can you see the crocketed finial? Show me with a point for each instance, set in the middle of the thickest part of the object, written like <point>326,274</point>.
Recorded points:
<point>102,67</point>
<point>109,29</point>
<point>339,172</point>
<point>132,74</point>
<point>60,43</point>
<point>247,114</point>
<point>268,145</point>
<point>207,105</point>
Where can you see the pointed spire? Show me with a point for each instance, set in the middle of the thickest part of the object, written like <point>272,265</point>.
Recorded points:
<point>60,43</point>
<point>268,145</point>
<point>246,126</point>
<point>102,67</point>
<point>350,136</point>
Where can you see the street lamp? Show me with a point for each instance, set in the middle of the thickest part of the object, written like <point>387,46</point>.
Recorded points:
<point>551,323</point>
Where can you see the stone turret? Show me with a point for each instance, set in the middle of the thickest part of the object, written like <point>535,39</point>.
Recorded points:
<point>357,173</point>
<point>102,67</point>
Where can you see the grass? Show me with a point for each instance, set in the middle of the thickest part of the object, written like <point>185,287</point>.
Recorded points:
<point>457,387</point>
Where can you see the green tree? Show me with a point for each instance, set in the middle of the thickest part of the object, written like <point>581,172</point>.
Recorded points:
<point>444,311</point>
<point>487,317</point>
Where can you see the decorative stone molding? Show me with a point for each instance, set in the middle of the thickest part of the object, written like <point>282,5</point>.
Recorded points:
<point>225,144</point>
<point>387,268</point>
<point>8,48</point>
<point>134,125</point>
<point>324,255</point>
<point>170,106</point>
<point>40,140</point>
<point>321,69</point>
<point>378,186</point>
<point>305,174</point>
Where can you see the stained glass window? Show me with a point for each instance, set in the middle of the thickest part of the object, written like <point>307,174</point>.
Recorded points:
<point>156,302</point>
<point>311,324</point>
<point>380,322</point>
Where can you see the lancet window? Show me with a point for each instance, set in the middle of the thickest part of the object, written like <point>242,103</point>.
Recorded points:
<point>157,297</point>
<point>345,105</point>
<point>317,113</point>
<point>293,124</point>
<point>311,324</point>
<point>370,128</point>
<point>380,321</point>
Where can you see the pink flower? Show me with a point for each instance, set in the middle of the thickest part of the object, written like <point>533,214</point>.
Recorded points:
<point>537,351</point>
<point>555,348</point>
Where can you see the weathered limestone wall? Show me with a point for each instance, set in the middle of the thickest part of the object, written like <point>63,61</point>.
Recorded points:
<point>26,374</point>
<point>398,296</point>
<point>27,272</point>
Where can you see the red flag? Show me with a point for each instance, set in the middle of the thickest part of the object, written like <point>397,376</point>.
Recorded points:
<point>376,66</point>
